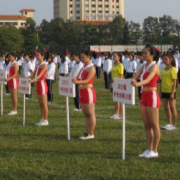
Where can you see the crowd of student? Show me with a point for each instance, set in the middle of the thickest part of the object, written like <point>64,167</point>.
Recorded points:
<point>145,68</point>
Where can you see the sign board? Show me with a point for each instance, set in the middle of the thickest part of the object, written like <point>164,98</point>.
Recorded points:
<point>3,75</point>
<point>66,86</point>
<point>123,91</point>
<point>24,86</point>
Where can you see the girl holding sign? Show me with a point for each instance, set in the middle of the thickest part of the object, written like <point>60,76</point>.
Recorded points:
<point>117,72</point>
<point>87,94</point>
<point>40,79</point>
<point>13,82</point>
<point>150,101</point>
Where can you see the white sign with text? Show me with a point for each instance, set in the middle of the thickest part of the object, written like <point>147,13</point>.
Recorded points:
<point>123,91</point>
<point>66,87</point>
<point>24,86</point>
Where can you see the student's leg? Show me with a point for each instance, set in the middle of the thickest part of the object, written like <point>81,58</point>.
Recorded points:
<point>14,99</point>
<point>84,111</point>
<point>153,120</point>
<point>48,94</point>
<point>118,108</point>
<point>89,111</point>
<point>174,111</point>
<point>167,110</point>
<point>44,106</point>
<point>76,99</point>
<point>148,130</point>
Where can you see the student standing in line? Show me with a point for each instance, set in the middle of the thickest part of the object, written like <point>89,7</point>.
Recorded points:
<point>74,73</point>
<point>87,94</point>
<point>140,63</point>
<point>51,70</point>
<point>13,82</point>
<point>7,65</point>
<point>63,69</point>
<point>131,67</point>
<point>150,101</point>
<point>39,76</point>
<point>168,91</point>
<point>27,71</point>
<point>107,70</point>
<point>117,72</point>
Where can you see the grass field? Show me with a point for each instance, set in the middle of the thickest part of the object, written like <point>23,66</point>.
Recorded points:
<point>31,152</point>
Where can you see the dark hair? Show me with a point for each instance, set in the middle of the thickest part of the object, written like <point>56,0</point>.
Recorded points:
<point>170,56</point>
<point>41,52</point>
<point>153,52</point>
<point>12,54</point>
<point>119,55</point>
<point>140,53</point>
<point>131,54</point>
<point>75,54</point>
<point>26,54</point>
<point>87,53</point>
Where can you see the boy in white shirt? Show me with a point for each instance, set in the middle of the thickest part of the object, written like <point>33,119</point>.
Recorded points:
<point>107,70</point>
<point>27,71</point>
<point>1,63</point>
<point>74,73</point>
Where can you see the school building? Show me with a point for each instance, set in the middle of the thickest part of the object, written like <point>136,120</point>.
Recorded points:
<point>88,10</point>
<point>19,21</point>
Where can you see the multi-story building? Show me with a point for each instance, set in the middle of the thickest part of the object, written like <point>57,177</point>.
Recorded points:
<point>88,10</point>
<point>19,21</point>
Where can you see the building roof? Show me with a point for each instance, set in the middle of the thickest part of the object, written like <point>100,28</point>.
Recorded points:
<point>27,10</point>
<point>13,17</point>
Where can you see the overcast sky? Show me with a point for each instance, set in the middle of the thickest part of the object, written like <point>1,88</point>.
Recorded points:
<point>135,10</point>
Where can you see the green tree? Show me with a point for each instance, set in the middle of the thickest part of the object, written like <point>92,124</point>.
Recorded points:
<point>10,39</point>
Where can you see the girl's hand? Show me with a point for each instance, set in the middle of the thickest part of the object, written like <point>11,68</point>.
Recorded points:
<point>31,81</point>
<point>74,80</point>
<point>172,96</point>
<point>134,83</point>
<point>6,79</point>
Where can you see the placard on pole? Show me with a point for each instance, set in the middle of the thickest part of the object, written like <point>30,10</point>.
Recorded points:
<point>24,88</point>
<point>3,76</point>
<point>67,89</point>
<point>124,93</point>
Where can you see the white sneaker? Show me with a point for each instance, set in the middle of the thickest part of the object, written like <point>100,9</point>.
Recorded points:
<point>42,122</point>
<point>144,154</point>
<point>86,137</point>
<point>112,117</point>
<point>117,117</point>
<point>174,127</point>
<point>75,109</point>
<point>169,127</point>
<point>12,113</point>
<point>151,154</point>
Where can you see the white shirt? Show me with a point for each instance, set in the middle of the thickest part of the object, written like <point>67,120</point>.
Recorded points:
<point>125,61</point>
<point>2,65</point>
<point>55,60</point>
<point>98,62</point>
<point>51,70</point>
<point>6,68</point>
<point>27,68</point>
<point>76,69</point>
<point>63,69</point>
<point>177,65</point>
<point>33,63</point>
<point>177,56</point>
<point>71,65</point>
<point>139,65</point>
<point>131,66</point>
<point>93,60</point>
<point>179,62</point>
<point>107,66</point>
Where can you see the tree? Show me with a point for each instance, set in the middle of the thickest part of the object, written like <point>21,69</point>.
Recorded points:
<point>10,39</point>
<point>30,35</point>
<point>151,33</point>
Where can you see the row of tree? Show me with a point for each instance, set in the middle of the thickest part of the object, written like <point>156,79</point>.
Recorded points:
<point>58,34</point>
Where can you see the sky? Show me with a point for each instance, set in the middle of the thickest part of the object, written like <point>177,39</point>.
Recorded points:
<point>135,10</point>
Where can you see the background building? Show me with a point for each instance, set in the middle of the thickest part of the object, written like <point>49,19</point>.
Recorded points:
<point>19,21</point>
<point>88,10</point>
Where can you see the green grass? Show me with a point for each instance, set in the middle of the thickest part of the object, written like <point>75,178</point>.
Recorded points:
<point>31,152</point>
